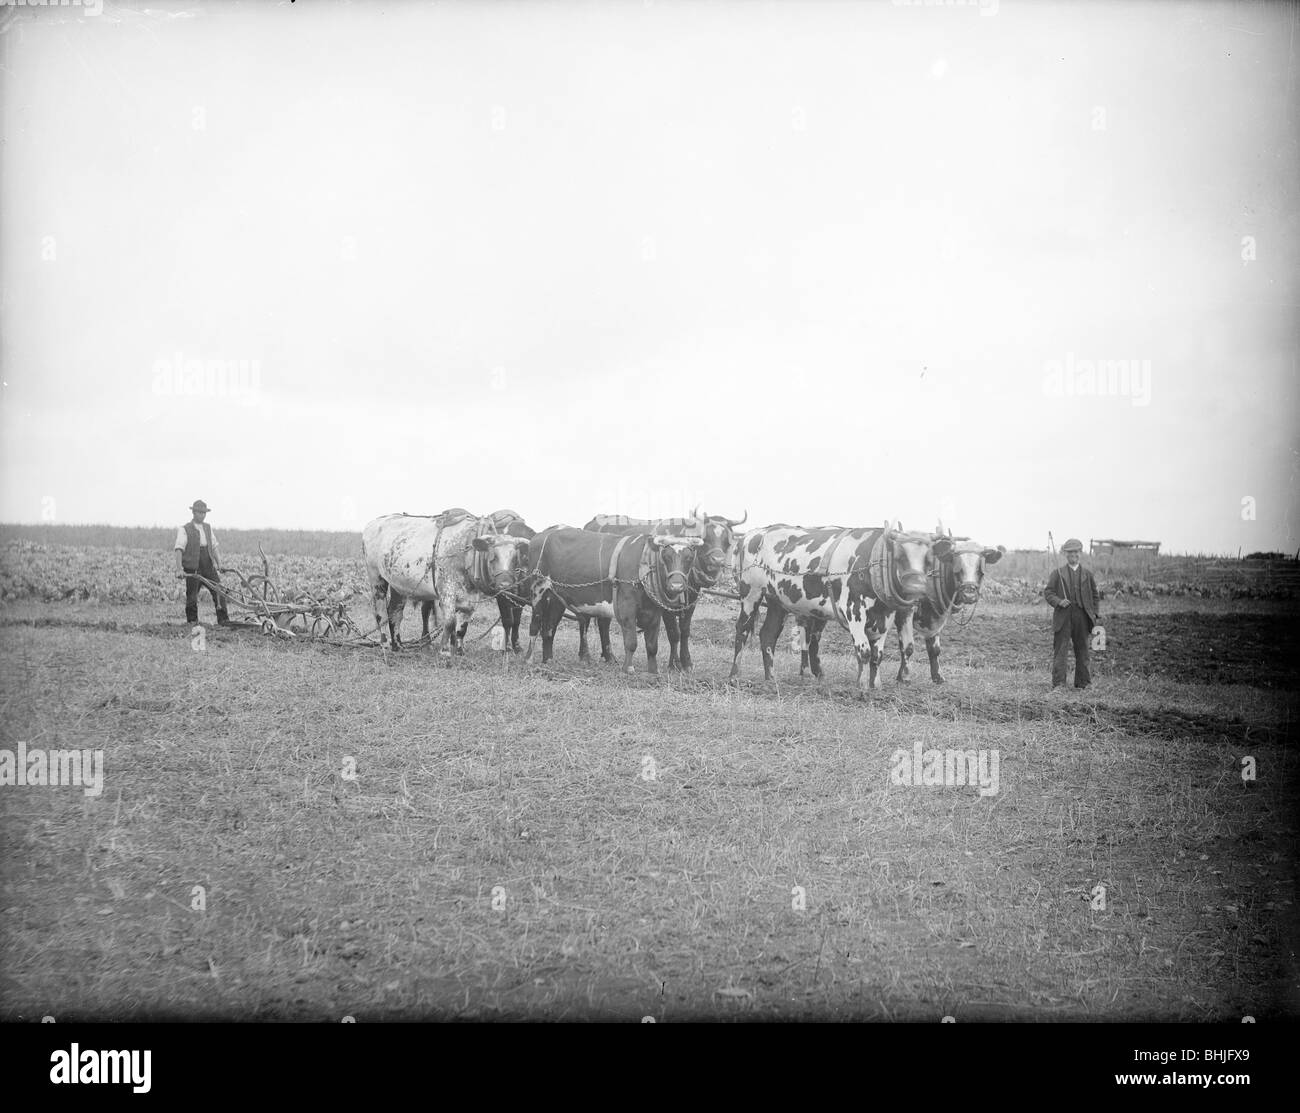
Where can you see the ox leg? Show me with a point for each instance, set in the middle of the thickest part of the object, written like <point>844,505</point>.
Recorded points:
<point>460,637</point>
<point>447,610</point>
<point>903,627</point>
<point>606,649</point>
<point>877,655</point>
<point>683,622</point>
<point>932,651</point>
<point>379,601</point>
<point>813,628</point>
<point>396,612</point>
<point>750,600</point>
<point>584,654</point>
<point>652,646</point>
<point>769,635</point>
<point>510,613</point>
<point>629,646</point>
<point>673,631</point>
<point>866,644</point>
<point>535,625</point>
<point>427,608</point>
<point>625,601</point>
<point>554,611</point>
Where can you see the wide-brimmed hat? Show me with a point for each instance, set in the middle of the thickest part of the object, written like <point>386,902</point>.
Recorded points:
<point>1073,545</point>
<point>200,505</point>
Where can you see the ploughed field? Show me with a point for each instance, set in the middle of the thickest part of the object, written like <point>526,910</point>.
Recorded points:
<point>569,842</point>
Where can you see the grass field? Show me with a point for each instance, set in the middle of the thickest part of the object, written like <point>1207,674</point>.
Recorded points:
<point>570,842</point>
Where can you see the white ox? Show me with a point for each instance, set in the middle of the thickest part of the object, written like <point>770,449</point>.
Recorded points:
<point>454,564</point>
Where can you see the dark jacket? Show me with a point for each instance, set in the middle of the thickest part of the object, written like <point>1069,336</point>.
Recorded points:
<point>1058,589</point>
<point>190,554</point>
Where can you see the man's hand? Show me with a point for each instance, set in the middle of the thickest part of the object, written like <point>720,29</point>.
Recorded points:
<point>1063,603</point>
<point>180,575</point>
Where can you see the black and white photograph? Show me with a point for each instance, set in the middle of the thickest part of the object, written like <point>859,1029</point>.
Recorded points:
<point>650,511</point>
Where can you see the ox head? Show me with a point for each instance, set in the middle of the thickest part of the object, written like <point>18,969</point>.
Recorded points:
<point>961,562</point>
<point>719,537</point>
<point>911,557</point>
<point>505,557</point>
<point>675,556</point>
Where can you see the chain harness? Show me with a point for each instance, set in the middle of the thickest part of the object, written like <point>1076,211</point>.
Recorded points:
<point>477,568</point>
<point>947,593</point>
<point>698,580</point>
<point>881,571</point>
<point>649,572</point>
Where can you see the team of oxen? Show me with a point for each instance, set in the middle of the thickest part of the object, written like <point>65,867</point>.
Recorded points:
<point>644,573</point>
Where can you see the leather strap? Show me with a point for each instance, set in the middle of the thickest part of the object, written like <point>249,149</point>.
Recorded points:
<point>613,560</point>
<point>836,608</point>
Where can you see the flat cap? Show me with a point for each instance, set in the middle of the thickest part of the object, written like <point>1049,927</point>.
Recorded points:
<point>1074,543</point>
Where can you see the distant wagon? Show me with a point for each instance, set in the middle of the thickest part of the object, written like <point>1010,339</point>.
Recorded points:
<point>1102,545</point>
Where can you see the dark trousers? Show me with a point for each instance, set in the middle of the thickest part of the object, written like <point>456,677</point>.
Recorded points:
<point>1076,630</point>
<point>193,587</point>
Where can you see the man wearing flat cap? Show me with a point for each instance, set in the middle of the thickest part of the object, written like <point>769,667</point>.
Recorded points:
<point>197,552</point>
<point>1076,604</point>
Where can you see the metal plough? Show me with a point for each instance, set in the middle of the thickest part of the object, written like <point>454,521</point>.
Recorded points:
<point>275,612</point>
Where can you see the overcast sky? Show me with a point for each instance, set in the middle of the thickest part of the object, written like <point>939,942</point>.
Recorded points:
<point>825,262</point>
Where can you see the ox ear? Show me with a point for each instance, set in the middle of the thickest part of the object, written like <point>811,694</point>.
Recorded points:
<point>942,548</point>
<point>482,544</point>
<point>992,556</point>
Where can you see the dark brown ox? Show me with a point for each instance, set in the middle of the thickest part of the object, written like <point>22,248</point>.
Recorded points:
<point>955,580</point>
<point>717,549</point>
<point>633,578</point>
<point>510,603</point>
<point>858,577</point>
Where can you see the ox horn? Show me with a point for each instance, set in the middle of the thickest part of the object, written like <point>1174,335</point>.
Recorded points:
<point>734,522</point>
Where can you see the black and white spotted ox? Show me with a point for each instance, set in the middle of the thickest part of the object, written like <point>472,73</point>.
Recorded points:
<point>632,578</point>
<point>716,551</point>
<point>953,581</point>
<point>450,560</point>
<point>856,577</point>
<point>510,603</point>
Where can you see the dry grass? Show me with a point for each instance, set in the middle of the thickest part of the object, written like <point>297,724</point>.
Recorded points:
<point>627,896</point>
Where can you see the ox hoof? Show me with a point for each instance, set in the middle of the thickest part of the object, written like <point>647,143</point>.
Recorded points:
<point>938,679</point>
<point>630,670</point>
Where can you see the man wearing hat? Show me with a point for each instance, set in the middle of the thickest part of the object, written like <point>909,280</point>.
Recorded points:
<point>196,551</point>
<point>1073,594</point>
